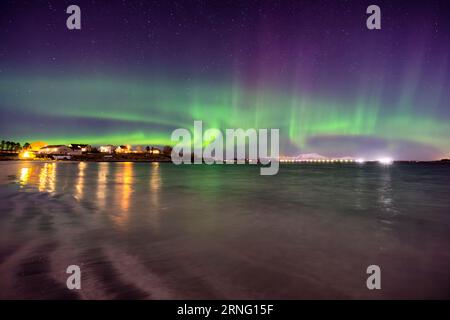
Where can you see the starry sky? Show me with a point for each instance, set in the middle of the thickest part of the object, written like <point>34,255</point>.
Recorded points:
<point>137,70</point>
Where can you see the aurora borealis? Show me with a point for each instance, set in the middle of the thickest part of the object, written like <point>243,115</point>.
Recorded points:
<point>138,70</point>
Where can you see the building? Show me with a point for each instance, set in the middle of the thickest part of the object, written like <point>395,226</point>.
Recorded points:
<point>58,149</point>
<point>83,147</point>
<point>123,149</point>
<point>109,148</point>
<point>155,151</point>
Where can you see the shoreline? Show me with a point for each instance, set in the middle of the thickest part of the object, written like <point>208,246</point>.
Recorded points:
<point>88,160</point>
<point>444,161</point>
<point>162,158</point>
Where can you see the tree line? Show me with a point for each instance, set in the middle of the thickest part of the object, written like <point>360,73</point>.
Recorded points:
<point>12,146</point>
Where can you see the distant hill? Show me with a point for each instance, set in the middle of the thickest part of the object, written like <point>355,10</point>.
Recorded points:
<point>316,156</point>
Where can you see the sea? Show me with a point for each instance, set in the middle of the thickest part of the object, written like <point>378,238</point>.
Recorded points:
<point>161,231</point>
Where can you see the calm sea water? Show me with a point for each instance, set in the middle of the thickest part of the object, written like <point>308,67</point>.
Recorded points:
<point>159,231</point>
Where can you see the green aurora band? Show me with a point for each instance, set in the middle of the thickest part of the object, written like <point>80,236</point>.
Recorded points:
<point>149,110</point>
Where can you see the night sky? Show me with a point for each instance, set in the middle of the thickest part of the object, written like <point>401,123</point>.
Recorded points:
<point>139,69</point>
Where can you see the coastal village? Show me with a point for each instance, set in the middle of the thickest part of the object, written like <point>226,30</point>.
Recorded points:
<point>83,152</point>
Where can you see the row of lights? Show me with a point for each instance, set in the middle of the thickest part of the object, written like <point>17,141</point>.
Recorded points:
<point>321,160</point>
<point>385,161</point>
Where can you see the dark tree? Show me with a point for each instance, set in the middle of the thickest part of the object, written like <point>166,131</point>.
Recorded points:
<point>167,150</point>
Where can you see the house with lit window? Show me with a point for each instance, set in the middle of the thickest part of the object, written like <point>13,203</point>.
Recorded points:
<point>155,151</point>
<point>123,149</point>
<point>84,148</point>
<point>58,149</point>
<point>109,148</point>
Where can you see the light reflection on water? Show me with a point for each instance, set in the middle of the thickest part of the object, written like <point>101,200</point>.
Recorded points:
<point>102,178</point>
<point>24,175</point>
<point>79,187</point>
<point>47,178</point>
<point>120,185</point>
<point>124,188</point>
<point>155,182</point>
<point>111,184</point>
<point>385,191</point>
